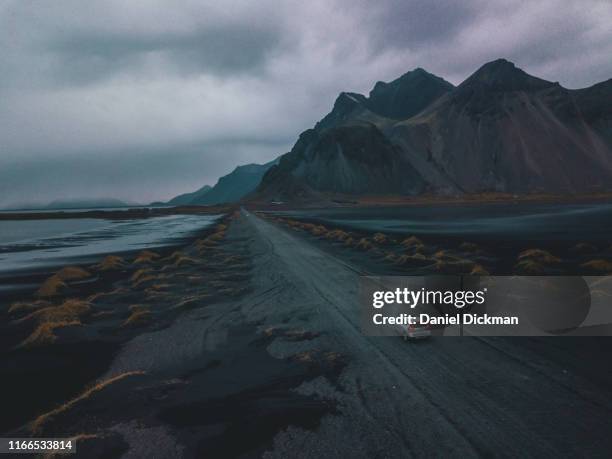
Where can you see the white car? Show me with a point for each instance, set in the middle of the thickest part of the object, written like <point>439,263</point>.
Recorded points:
<point>416,331</point>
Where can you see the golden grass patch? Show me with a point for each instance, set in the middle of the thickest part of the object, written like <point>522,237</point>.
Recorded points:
<point>110,263</point>
<point>479,270</point>
<point>600,266</point>
<point>70,273</point>
<point>146,256</point>
<point>140,315</point>
<point>140,273</point>
<point>529,267</point>
<point>51,318</point>
<point>318,230</point>
<point>411,242</point>
<point>184,260</point>
<point>44,334</point>
<point>37,426</point>
<point>101,295</point>
<point>53,286</point>
<point>216,237</point>
<point>445,256</point>
<point>27,306</point>
<point>540,256</point>
<point>364,244</point>
<point>337,235</point>
<point>143,279</point>
<point>417,260</point>
<point>381,238</point>
<point>69,310</point>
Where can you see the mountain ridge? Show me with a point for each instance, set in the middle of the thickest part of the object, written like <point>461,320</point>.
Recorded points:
<point>499,130</point>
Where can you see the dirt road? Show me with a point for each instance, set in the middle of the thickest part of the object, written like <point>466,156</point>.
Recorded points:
<point>446,396</point>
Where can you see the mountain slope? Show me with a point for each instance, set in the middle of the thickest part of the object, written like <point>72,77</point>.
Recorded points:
<point>504,130</point>
<point>229,188</point>
<point>348,151</point>
<point>237,184</point>
<point>189,198</point>
<point>500,130</point>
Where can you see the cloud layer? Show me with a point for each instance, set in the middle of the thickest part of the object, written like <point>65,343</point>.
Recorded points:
<point>142,100</point>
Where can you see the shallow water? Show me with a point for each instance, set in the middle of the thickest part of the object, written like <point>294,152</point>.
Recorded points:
<point>524,221</point>
<point>33,244</point>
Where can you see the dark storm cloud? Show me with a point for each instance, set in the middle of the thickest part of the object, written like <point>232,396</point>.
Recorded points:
<point>153,98</point>
<point>411,23</point>
<point>84,56</point>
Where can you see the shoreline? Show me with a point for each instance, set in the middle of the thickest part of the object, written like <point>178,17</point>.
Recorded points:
<point>348,201</point>
<point>123,214</point>
<point>65,362</point>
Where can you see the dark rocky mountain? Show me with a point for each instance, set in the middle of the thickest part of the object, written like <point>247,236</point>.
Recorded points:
<point>408,95</point>
<point>229,188</point>
<point>348,151</point>
<point>500,130</point>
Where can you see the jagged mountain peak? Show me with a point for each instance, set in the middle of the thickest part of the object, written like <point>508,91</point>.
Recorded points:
<point>411,75</point>
<point>503,75</point>
<point>407,95</point>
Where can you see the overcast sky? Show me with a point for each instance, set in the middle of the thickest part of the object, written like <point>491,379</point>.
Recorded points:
<point>142,100</point>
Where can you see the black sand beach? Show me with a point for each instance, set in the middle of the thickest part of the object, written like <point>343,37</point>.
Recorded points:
<point>245,342</point>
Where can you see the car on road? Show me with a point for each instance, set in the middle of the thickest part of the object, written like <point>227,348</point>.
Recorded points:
<point>414,331</point>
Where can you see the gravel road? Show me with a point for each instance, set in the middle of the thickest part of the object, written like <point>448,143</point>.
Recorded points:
<point>447,396</point>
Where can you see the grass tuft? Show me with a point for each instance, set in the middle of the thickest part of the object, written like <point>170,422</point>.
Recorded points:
<point>540,256</point>
<point>111,263</point>
<point>38,425</point>
<point>599,266</point>
<point>364,244</point>
<point>337,235</point>
<point>381,238</point>
<point>479,270</point>
<point>140,315</point>
<point>69,310</point>
<point>529,267</point>
<point>70,273</point>
<point>411,242</point>
<point>53,286</point>
<point>27,306</point>
<point>416,260</point>
<point>146,256</point>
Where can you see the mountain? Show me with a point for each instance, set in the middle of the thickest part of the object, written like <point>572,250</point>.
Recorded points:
<point>189,198</point>
<point>408,95</point>
<point>349,152</point>
<point>92,203</point>
<point>237,184</point>
<point>504,130</point>
<point>500,130</point>
<point>229,188</point>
